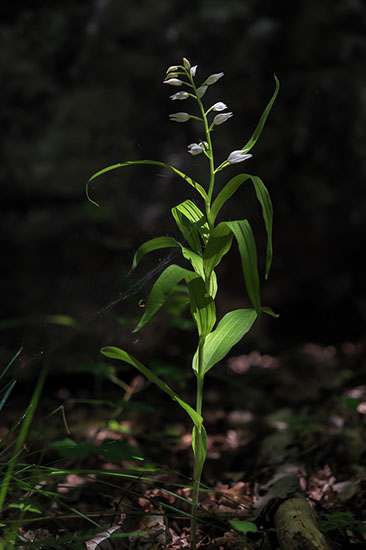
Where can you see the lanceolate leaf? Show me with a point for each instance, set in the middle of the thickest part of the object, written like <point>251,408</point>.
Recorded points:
<point>189,180</point>
<point>218,245</point>
<point>257,132</point>
<point>190,211</point>
<point>267,209</point>
<point>229,331</point>
<point>153,244</point>
<point>269,311</point>
<point>202,305</point>
<point>248,252</point>
<point>225,194</point>
<point>116,353</point>
<point>188,229</point>
<point>264,199</point>
<point>161,290</point>
<point>203,447</point>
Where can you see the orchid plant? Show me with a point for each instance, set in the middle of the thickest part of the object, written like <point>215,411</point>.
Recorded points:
<point>206,243</point>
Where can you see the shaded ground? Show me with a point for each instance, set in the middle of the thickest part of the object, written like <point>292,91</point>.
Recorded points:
<point>277,426</point>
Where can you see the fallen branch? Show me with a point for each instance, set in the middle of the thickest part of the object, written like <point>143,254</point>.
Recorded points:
<point>296,526</point>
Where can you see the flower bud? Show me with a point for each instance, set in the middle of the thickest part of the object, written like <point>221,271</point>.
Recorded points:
<point>186,64</point>
<point>220,106</point>
<point>173,82</point>
<point>220,119</point>
<point>179,117</point>
<point>179,95</point>
<point>201,91</point>
<point>172,68</point>
<point>213,78</point>
<point>238,156</point>
<point>195,148</point>
<point>193,70</point>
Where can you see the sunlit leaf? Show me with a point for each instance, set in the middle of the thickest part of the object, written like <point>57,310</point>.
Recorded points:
<point>161,291</point>
<point>187,228</point>
<point>248,252</point>
<point>230,188</point>
<point>202,305</point>
<point>153,244</point>
<point>243,526</point>
<point>186,178</point>
<point>267,209</point>
<point>116,353</point>
<point>218,245</point>
<point>262,195</point>
<point>191,221</point>
<point>262,120</point>
<point>203,447</point>
<point>229,331</point>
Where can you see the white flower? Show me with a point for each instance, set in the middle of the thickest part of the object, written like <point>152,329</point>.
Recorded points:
<point>219,119</point>
<point>238,156</point>
<point>179,117</point>
<point>193,70</point>
<point>179,95</point>
<point>197,148</point>
<point>172,68</point>
<point>186,64</point>
<point>220,106</point>
<point>213,78</point>
<point>201,91</point>
<point>173,82</point>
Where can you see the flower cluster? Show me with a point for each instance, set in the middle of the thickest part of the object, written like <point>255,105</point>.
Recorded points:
<point>183,75</point>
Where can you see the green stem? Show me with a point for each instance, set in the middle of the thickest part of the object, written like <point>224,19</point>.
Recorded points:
<point>210,154</point>
<point>197,468</point>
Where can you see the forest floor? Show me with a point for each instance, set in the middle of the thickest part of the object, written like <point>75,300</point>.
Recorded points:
<point>286,454</point>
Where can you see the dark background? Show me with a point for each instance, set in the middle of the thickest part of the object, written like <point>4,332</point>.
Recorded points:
<point>81,88</point>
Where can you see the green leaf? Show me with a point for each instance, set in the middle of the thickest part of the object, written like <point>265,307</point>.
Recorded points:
<point>68,448</point>
<point>153,244</point>
<point>116,353</point>
<point>191,221</point>
<point>189,180</point>
<point>195,259</point>
<point>248,252</point>
<point>187,228</point>
<point>229,331</point>
<point>269,311</point>
<point>267,210</point>
<point>161,290</point>
<point>218,245</point>
<point>26,507</point>
<point>202,305</point>
<point>203,447</point>
<point>257,132</point>
<point>117,450</point>
<point>243,526</point>
<point>225,194</point>
<point>262,195</point>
